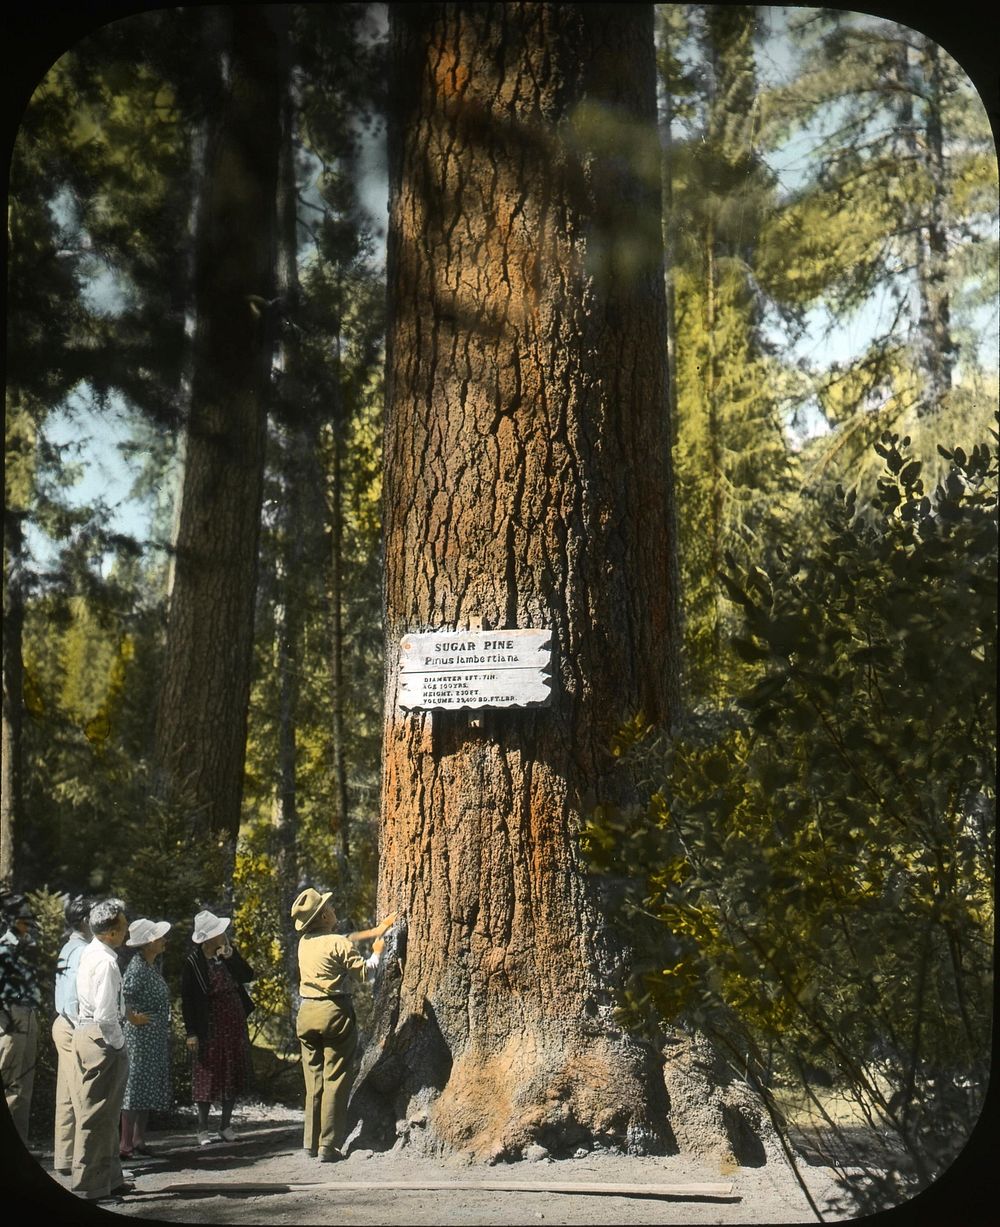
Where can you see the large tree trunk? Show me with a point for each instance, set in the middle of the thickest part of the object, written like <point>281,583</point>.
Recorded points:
<point>202,712</point>
<point>527,484</point>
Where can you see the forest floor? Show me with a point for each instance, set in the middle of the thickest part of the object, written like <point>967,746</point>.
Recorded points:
<point>265,1178</point>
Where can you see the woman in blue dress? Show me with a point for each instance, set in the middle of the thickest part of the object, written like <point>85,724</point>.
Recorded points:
<point>146,997</point>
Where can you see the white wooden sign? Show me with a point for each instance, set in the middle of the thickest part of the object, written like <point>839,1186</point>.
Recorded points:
<point>456,669</point>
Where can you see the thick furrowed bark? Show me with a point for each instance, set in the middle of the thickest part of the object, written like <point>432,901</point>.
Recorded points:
<point>527,485</point>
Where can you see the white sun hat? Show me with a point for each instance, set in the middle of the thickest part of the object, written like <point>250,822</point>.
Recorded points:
<point>207,925</point>
<point>142,932</point>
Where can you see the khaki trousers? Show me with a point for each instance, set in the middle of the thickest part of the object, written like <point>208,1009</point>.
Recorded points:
<point>328,1037</point>
<point>65,1117</point>
<point>18,1047</point>
<point>98,1088</point>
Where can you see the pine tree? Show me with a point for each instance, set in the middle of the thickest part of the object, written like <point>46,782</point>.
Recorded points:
<point>732,458</point>
<point>527,483</point>
<point>330,339</point>
<point>111,155</point>
<point>65,341</point>
<point>898,205</point>
<point>202,710</point>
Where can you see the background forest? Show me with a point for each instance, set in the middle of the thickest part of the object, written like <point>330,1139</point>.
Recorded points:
<point>811,880</point>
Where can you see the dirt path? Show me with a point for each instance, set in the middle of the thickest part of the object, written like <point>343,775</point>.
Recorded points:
<point>265,1178</point>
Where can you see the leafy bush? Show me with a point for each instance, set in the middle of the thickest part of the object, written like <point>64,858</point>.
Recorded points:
<point>166,868</point>
<point>47,906</point>
<point>260,920</point>
<point>810,881</point>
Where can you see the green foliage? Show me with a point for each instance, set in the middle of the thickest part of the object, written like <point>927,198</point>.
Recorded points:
<point>88,700</point>
<point>259,917</point>
<point>859,193</point>
<point>732,463</point>
<point>49,932</point>
<point>166,868</point>
<point>102,187</point>
<point>812,874</point>
<point>896,204</point>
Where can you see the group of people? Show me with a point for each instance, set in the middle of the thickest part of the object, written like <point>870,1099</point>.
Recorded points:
<point>130,1029</point>
<point>112,1031</point>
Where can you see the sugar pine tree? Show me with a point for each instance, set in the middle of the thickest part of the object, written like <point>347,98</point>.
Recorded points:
<point>528,483</point>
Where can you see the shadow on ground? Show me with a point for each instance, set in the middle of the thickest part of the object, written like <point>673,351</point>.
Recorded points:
<point>263,1141</point>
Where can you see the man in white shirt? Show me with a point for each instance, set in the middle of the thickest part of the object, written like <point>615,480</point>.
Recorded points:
<point>100,1059</point>
<point>77,911</point>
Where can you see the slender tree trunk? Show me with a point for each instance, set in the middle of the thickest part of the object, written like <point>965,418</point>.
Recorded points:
<point>286,633</point>
<point>920,122</point>
<point>288,653</point>
<point>289,452</point>
<point>937,342</point>
<point>716,475</point>
<point>11,781</point>
<point>340,820</point>
<point>295,464</point>
<point>202,711</point>
<point>527,483</point>
<point>665,118</point>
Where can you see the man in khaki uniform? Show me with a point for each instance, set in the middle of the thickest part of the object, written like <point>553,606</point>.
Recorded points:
<point>100,1060</point>
<point>325,1024</point>
<point>18,1011</point>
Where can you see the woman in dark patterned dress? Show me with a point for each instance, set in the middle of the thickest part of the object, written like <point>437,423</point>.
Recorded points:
<point>215,1006</point>
<point>146,994</point>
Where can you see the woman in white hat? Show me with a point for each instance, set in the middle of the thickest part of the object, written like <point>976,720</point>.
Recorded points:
<point>215,1006</point>
<point>325,1024</point>
<point>146,997</point>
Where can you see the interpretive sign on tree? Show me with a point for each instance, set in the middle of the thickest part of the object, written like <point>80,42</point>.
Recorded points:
<point>473,668</point>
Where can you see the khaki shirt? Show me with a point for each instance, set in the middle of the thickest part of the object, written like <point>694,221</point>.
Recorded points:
<point>328,962</point>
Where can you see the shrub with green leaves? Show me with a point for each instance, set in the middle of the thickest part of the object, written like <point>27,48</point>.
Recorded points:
<point>49,933</point>
<point>812,875</point>
<point>259,920</point>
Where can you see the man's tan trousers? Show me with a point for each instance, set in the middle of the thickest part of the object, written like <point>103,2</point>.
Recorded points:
<point>65,1117</point>
<point>100,1073</point>
<point>18,1049</point>
<point>328,1037</point>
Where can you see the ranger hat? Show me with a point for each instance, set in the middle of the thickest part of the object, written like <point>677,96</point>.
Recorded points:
<point>307,906</point>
